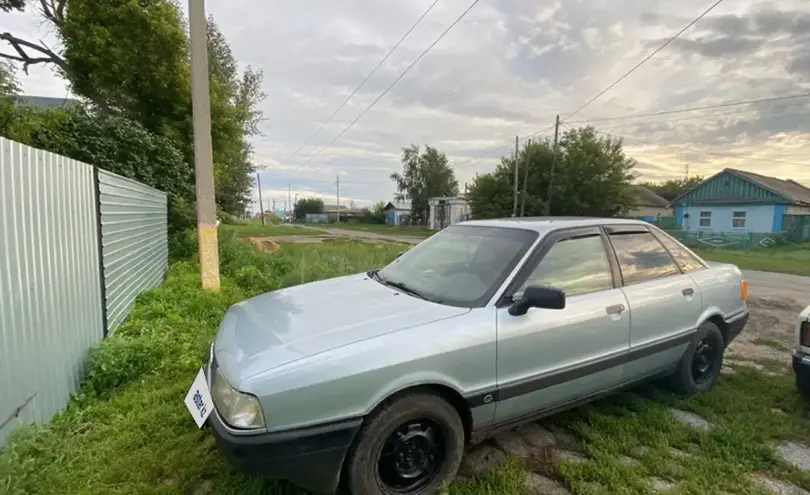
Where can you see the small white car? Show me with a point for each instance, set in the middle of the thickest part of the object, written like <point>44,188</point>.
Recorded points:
<point>801,353</point>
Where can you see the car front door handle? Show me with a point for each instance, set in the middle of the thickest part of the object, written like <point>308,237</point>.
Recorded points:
<point>615,309</point>
<point>688,292</point>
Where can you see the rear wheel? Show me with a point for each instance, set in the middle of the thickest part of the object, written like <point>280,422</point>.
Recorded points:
<point>700,366</point>
<point>411,445</point>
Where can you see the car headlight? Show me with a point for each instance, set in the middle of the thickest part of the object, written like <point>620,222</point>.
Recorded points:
<point>804,334</point>
<point>236,408</point>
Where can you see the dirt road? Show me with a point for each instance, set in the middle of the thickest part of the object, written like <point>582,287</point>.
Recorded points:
<point>362,234</point>
<point>778,285</point>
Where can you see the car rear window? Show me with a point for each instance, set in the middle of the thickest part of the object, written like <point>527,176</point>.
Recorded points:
<point>641,257</point>
<point>684,258</point>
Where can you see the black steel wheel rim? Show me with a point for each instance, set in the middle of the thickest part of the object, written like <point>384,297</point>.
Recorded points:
<point>411,458</point>
<point>704,361</point>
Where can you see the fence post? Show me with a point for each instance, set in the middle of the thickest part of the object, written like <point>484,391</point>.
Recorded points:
<point>102,280</point>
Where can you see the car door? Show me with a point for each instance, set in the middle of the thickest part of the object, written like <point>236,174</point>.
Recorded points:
<point>548,357</point>
<point>665,303</point>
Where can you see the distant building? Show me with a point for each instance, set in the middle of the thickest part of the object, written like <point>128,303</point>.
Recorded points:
<point>738,201</point>
<point>44,102</point>
<point>649,206</point>
<point>397,213</point>
<point>447,211</point>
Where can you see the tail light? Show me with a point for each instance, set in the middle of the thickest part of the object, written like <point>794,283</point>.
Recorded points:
<point>744,290</point>
<point>804,334</point>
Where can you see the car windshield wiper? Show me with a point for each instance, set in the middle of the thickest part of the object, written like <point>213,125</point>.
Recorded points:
<point>402,287</point>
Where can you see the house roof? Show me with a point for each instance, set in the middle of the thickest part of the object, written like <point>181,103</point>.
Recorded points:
<point>789,189</point>
<point>645,197</point>
<point>399,205</point>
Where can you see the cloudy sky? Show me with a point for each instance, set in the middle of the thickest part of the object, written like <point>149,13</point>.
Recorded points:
<point>506,69</point>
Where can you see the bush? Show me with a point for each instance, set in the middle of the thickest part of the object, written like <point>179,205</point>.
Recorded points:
<point>118,361</point>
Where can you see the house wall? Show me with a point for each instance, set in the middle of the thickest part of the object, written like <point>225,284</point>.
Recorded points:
<point>459,211</point>
<point>759,218</point>
<point>798,210</point>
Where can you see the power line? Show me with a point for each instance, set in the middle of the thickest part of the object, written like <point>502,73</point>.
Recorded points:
<point>407,69</point>
<point>715,153</point>
<point>692,109</point>
<point>703,117</point>
<point>648,57</point>
<point>387,55</point>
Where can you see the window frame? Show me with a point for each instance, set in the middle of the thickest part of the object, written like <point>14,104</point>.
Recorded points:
<point>639,229</point>
<point>701,218</point>
<point>545,245</point>
<point>744,218</point>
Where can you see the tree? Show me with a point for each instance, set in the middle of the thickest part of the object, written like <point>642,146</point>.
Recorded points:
<point>672,188</point>
<point>424,176</point>
<point>375,214</point>
<point>307,205</point>
<point>131,59</point>
<point>592,177</point>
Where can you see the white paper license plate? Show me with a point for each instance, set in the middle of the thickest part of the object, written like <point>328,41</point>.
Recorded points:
<point>198,399</point>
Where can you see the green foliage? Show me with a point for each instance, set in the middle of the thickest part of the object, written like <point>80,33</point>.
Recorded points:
<point>672,188</point>
<point>117,362</point>
<point>592,177</point>
<point>307,205</point>
<point>424,176</point>
<point>374,215</point>
<point>121,146</point>
<point>132,55</point>
<point>9,5</point>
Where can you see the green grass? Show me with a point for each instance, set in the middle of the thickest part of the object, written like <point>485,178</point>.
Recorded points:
<point>387,229</point>
<point>255,229</point>
<point>795,261</point>
<point>781,346</point>
<point>127,430</point>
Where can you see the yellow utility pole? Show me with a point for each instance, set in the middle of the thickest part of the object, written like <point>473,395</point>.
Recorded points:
<point>203,153</point>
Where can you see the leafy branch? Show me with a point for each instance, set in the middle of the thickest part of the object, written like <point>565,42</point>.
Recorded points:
<point>42,55</point>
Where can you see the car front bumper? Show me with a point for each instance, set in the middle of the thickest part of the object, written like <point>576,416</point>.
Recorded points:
<point>801,365</point>
<point>309,457</point>
<point>736,325</point>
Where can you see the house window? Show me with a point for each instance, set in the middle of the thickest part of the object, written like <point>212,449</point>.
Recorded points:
<point>705,219</point>
<point>738,220</point>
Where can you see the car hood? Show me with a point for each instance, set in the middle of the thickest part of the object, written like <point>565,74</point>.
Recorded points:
<point>280,327</point>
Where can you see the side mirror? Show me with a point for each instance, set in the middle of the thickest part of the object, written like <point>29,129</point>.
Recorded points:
<point>538,296</point>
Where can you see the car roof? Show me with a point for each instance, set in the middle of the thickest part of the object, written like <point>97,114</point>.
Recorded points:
<point>544,224</point>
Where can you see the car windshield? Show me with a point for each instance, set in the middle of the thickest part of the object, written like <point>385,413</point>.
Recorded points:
<point>459,266</point>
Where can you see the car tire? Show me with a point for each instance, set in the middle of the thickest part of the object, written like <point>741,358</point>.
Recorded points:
<point>412,444</point>
<point>700,365</point>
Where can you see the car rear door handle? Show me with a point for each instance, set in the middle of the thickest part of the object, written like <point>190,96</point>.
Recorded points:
<point>688,292</point>
<point>615,309</point>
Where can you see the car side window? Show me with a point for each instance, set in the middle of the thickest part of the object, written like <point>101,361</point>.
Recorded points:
<point>684,258</point>
<point>577,266</point>
<point>641,257</point>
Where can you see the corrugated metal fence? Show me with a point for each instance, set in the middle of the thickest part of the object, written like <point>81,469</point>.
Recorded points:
<point>52,305</point>
<point>134,241</point>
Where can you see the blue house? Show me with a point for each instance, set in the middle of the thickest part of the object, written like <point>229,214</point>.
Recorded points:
<point>738,201</point>
<point>397,213</point>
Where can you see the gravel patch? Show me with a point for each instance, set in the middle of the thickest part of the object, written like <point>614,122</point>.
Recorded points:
<point>691,419</point>
<point>536,435</point>
<point>795,454</point>
<point>777,486</point>
<point>540,485</point>
<point>480,459</point>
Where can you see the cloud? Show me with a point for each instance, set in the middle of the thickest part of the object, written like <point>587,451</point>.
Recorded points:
<point>507,69</point>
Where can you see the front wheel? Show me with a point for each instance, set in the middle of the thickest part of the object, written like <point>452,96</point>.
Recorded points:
<point>700,366</point>
<point>411,445</point>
